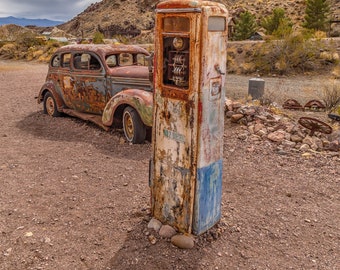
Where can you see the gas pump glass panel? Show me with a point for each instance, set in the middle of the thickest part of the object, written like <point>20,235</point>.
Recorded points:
<point>176,62</point>
<point>176,24</point>
<point>216,23</point>
<point>176,42</point>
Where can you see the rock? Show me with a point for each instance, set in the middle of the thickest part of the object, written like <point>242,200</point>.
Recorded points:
<point>308,140</point>
<point>335,136</point>
<point>251,129</point>
<point>304,147</point>
<point>334,146</point>
<point>152,239</point>
<point>262,132</point>
<point>288,144</point>
<point>277,136</point>
<point>258,127</point>
<point>318,144</point>
<point>229,114</point>
<point>242,136</point>
<point>236,117</point>
<point>296,138</point>
<point>167,231</point>
<point>155,224</point>
<point>182,241</point>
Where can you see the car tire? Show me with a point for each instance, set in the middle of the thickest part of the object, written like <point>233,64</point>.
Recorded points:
<point>50,106</point>
<point>134,128</point>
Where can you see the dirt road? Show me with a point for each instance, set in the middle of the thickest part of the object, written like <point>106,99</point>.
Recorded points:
<point>76,197</point>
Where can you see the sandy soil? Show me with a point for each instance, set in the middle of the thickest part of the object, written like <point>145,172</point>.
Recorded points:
<point>76,197</point>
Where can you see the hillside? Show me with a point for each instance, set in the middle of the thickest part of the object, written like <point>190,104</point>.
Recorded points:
<point>132,16</point>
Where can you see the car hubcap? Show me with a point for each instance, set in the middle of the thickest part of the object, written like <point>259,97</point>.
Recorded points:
<point>128,124</point>
<point>50,105</point>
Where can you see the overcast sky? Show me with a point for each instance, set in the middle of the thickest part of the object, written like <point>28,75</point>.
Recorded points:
<point>60,10</point>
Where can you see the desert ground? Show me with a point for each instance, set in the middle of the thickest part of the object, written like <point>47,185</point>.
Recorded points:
<point>73,196</point>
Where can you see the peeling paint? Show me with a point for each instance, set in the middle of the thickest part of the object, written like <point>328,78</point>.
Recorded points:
<point>188,115</point>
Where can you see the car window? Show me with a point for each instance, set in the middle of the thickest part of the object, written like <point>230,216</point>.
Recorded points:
<point>125,59</point>
<point>111,61</point>
<point>86,61</point>
<point>56,61</point>
<point>128,59</point>
<point>66,60</point>
<point>142,60</point>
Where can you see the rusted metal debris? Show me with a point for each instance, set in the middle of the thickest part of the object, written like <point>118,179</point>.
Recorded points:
<point>292,104</point>
<point>315,125</point>
<point>333,116</point>
<point>315,105</point>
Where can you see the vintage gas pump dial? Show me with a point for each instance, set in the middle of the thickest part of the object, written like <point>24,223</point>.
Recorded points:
<point>178,43</point>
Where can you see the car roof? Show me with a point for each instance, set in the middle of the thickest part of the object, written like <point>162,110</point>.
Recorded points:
<point>103,49</point>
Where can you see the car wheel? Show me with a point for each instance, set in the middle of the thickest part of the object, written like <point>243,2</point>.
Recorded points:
<point>50,106</point>
<point>134,129</point>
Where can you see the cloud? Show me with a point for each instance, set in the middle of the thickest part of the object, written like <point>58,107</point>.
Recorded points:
<point>62,10</point>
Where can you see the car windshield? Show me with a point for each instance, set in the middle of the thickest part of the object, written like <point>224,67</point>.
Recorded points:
<point>126,59</point>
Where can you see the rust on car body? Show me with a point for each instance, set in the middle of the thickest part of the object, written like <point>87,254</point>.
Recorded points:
<point>92,82</point>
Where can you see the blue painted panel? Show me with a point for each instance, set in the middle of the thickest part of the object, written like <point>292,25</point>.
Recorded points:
<point>207,208</point>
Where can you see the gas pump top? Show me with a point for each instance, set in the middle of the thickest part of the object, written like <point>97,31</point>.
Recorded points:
<point>178,4</point>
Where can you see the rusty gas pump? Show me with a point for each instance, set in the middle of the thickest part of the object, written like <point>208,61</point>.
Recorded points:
<point>188,127</point>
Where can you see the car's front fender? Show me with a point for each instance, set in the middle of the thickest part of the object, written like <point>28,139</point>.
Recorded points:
<point>140,100</point>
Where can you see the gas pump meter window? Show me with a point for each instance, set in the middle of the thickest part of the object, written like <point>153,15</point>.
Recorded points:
<point>176,52</point>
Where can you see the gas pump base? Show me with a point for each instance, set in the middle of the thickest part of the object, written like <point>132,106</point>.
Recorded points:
<point>208,192</point>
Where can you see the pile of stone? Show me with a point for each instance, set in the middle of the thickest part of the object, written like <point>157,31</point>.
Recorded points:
<point>272,124</point>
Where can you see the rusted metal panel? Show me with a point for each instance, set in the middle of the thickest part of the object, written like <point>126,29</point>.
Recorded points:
<point>136,98</point>
<point>207,209</point>
<point>174,137</point>
<point>188,131</point>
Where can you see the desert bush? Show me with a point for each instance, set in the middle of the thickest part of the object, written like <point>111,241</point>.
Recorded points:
<point>331,94</point>
<point>27,40</point>
<point>8,51</point>
<point>98,38</point>
<point>294,52</point>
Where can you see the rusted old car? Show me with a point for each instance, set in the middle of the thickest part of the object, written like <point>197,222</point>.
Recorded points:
<point>106,84</point>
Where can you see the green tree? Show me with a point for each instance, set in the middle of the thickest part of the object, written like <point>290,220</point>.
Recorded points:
<point>316,15</point>
<point>245,26</point>
<point>277,23</point>
<point>284,29</point>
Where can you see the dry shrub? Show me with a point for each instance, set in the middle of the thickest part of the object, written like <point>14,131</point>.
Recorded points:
<point>336,72</point>
<point>331,94</point>
<point>8,51</point>
<point>275,95</point>
<point>247,68</point>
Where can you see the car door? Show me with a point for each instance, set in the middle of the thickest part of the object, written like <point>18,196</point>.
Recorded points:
<point>89,83</point>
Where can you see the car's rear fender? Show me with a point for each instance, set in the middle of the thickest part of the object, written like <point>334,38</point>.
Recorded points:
<point>49,87</point>
<point>140,100</point>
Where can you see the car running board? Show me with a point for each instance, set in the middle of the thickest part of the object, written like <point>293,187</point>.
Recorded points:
<point>96,119</point>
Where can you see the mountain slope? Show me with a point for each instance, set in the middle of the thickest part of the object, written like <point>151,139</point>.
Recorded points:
<point>117,16</point>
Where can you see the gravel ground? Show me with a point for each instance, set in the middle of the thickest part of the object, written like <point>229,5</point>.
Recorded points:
<point>76,197</point>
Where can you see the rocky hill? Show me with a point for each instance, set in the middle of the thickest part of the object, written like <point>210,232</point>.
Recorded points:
<point>133,16</point>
